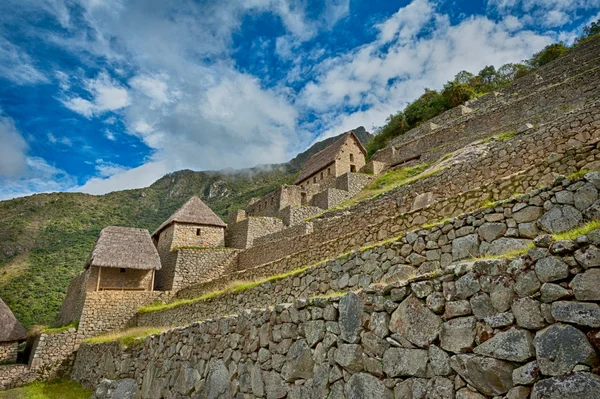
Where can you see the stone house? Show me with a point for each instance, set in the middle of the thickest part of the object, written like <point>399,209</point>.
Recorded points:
<point>123,258</point>
<point>192,225</point>
<point>345,155</point>
<point>11,334</point>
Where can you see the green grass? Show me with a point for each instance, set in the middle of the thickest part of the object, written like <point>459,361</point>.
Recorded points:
<point>578,175</point>
<point>238,286</point>
<point>380,243</point>
<point>59,329</point>
<point>331,295</point>
<point>435,224</point>
<point>127,337</point>
<point>578,231</point>
<point>55,389</point>
<point>506,255</point>
<point>505,136</point>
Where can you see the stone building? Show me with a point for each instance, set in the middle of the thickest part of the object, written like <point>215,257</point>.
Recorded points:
<point>345,155</point>
<point>192,225</point>
<point>11,333</point>
<point>124,259</point>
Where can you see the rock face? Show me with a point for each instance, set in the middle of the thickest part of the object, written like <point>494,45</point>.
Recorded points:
<point>365,386</point>
<point>413,321</point>
<point>489,376</point>
<point>560,218</point>
<point>574,386</point>
<point>561,347</point>
<point>119,389</point>
<point>514,344</point>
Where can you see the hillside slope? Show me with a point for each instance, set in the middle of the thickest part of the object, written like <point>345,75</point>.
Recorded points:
<point>45,238</point>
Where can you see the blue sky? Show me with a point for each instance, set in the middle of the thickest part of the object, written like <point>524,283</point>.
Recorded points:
<point>103,95</point>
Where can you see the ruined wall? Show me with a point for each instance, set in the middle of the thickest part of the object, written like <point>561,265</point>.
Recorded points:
<point>295,231</point>
<point>52,355</point>
<point>8,351</point>
<point>272,203</point>
<point>15,375</point>
<point>163,279</point>
<point>73,303</point>
<point>492,328</point>
<point>491,231</point>
<point>111,310</point>
<point>296,215</point>
<point>195,266</point>
<point>329,198</point>
<point>242,234</point>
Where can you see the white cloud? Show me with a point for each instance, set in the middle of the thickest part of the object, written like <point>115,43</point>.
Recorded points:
<point>110,135</point>
<point>546,13</point>
<point>22,174</point>
<point>361,77</point>
<point>153,87</point>
<point>13,151</point>
<point>106,93</point>
<point>61,140</point>
<point>17,66</point>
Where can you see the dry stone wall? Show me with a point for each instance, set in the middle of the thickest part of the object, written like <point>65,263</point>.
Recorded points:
<point>495,328</point>
<point>111,310</point>
<point>293,232</point>
<point>492,231</point>
<point>8,351</point>
<point>493,170</point>
<point>196,265</point>
<point>52,355</point>
<point>242,234</point>
<point>15,375</point>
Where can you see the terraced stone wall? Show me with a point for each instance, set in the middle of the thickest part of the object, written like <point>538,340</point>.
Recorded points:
<point>497,328</point>
<point>493,170</point>
<point>509,226</point>
<point>196,265</point>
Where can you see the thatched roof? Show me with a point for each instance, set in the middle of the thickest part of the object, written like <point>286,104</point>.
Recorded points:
<point>327,156</point>
<point>10,328</point>
<point>124,247</point>
<point>193,212</point>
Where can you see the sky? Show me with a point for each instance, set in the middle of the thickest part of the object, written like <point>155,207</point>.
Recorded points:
<point>105,95</point>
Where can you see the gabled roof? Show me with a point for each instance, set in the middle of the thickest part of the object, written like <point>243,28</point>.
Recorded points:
<point>193,212</point>
<point>327,156</point>
<point>10,328</point>
<point>124,247</point>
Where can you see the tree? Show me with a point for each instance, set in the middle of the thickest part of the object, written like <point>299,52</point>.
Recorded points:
<point>548,54</point>
<point>457,93</point>
<point>589,32</point>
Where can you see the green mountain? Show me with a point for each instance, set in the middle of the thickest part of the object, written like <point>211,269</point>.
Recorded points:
<point>45,238</point>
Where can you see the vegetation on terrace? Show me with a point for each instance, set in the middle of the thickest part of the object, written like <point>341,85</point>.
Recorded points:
<point>466,86</point>
<point>126,337</point>
<point>55,389</point>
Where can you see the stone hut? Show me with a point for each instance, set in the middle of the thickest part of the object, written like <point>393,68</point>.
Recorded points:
<point>11,333</point>
<point>345,155</point>
<point>192,225</point>
<point>123,258</point>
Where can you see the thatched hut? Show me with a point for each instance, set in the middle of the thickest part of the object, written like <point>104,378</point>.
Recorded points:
<point>11,334</point>
<point>123,258</point>
<point>192,225</point>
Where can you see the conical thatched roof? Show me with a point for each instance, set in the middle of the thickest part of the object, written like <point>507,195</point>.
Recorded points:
<point>327,156</point>
<point>193,212</point>
<point>124,247</point>
<point>10,328</point>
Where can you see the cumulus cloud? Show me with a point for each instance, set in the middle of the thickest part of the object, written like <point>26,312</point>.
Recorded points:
<point>106,95</point>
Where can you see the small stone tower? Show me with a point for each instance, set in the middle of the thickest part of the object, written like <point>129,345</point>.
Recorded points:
<point>192,225</point>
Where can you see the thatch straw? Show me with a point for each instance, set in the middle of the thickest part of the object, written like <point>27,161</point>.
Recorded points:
<point>10,328</point>
<point>193,212</point>
<point>326,157</point>
<point>124,247</point>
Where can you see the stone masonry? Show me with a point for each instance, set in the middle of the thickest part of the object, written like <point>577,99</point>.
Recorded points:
<point>503,328</point>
